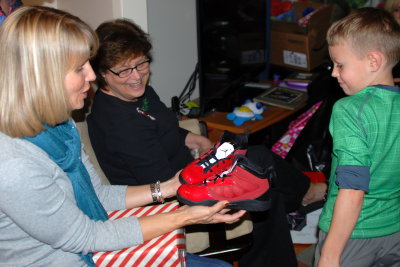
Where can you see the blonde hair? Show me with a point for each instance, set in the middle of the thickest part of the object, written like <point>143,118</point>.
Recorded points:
<point>39,46</point>
<point>368,29</point>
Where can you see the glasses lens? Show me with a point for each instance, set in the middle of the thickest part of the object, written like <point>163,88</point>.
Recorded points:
<point>125,73</point>
<point>143,66</point>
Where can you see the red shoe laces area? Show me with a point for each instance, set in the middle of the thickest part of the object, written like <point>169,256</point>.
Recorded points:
<point>209,160</point>
<point>215,179</point>
<point>220,176</point>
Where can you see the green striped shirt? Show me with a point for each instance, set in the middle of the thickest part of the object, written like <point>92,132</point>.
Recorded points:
<point>366,132</point>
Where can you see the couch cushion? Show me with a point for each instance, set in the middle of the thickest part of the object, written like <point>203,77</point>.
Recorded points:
<point>87,146</point>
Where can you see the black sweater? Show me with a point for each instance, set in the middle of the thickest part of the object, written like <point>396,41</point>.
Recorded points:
<point>135,147</point>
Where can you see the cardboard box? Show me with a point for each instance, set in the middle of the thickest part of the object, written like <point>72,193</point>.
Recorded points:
<point>298,47</point>
<point>165,250</point>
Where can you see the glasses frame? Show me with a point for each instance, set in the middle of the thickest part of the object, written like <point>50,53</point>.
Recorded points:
<point>131,69</point>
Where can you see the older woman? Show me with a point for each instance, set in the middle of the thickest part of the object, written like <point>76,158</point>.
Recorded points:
<point>52,204</point>
<point>137,140</point>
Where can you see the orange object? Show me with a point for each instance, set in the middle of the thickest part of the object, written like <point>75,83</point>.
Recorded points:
<point>316,177</point>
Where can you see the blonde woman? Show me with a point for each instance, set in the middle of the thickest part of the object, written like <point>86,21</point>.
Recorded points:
<point>52,204</point>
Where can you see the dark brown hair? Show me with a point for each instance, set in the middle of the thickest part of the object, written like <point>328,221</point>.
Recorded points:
<point>120,40</point>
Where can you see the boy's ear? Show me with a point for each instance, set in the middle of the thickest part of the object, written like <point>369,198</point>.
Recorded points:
<point>375,60</point>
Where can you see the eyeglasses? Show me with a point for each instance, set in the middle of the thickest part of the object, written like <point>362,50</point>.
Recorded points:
<point>142,67</point>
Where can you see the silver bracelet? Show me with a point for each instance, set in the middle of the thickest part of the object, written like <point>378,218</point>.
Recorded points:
<point>156,194</point>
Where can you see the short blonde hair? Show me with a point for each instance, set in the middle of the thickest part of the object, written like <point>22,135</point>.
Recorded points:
<point>368,29</point>
<point>39,46</point>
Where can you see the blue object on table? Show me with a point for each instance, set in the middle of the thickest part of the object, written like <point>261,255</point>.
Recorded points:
<point>250,110</point>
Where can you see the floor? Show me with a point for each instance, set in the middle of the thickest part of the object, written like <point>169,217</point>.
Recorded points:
<point>304,254</point>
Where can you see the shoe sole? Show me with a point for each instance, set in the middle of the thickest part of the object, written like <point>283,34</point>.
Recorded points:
<point>252,205</point>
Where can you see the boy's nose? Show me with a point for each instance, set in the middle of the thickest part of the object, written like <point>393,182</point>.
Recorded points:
<point>335,73</point>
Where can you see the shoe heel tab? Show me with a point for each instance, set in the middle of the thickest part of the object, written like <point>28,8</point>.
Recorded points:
<point>239,157</point>
<point>246,164</point>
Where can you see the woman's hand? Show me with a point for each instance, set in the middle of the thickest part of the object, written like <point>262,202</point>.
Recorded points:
<point>162,223</point>
<point>140,195</point>
<point>169,188</point>
<point>210,215</point>
<point>316,192</point>
<point>195,141</point>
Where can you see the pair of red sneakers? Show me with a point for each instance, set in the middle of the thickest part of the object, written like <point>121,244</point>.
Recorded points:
<point>224,173</point>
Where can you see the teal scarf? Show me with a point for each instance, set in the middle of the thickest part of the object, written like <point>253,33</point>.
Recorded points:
<point>63,144</point>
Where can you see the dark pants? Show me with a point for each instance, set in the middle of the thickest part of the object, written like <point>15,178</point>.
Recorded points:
<point>193,260</point>
<point>272,243</point>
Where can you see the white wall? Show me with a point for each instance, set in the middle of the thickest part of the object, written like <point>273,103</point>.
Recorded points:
<point>135,10</point>
<point>92,12</point>
<point>172,27</point>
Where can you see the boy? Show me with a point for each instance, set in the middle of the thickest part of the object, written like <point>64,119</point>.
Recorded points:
<point>360,222</point>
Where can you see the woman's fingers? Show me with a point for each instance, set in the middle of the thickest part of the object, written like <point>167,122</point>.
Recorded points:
<point>210,215</point>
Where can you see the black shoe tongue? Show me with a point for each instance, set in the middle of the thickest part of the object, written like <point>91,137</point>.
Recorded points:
<point>237,140</point>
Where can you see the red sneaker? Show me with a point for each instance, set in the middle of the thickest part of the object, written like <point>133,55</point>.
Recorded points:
<point>246,187</point>
<point>217,160</point>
